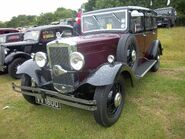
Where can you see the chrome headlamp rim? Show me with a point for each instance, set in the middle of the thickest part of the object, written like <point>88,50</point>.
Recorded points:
<point>41,59</point>
<point>6,50</point>
<point>77,61</point>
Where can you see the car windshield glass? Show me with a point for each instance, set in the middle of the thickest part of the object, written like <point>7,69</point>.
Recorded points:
<point>32,35</point>
<point>2,39</point>
<point>104,21</point>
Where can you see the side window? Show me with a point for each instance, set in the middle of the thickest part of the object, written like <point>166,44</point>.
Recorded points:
<point>48,35</point>
<point>67,33</point>
<point>149,21</point>
<point>64,32</point>
<point>137,22</point>
<point>13,38</point>
<point>154,22</point>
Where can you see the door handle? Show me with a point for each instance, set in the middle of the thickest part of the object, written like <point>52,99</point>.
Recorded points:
<point>153,33</point>
<point>144,34</point>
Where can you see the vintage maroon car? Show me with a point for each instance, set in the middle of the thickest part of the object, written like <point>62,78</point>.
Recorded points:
<point>8,30</point>
<point>88,71</point>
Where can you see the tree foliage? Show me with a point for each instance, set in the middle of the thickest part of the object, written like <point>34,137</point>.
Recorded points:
<point>99,4</point>
<point>43,19</point>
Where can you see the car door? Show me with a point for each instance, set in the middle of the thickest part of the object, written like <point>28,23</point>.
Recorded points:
<point>150,29</point>
<point>137,28</point>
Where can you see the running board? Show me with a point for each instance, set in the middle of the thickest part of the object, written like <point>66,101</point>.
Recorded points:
<point>144,68</point>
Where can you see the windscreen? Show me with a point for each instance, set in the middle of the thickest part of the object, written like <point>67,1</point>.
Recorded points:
<point>105,21</point>
<point>32,35</point>
<point>2,39</point>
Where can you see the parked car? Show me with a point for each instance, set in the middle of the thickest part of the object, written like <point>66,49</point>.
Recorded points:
<point>166,16</point>
<point>11,37</point>
<point>67,21</point>
<point>35,39</point>
<point>8,30</point>
<point>88,71</point>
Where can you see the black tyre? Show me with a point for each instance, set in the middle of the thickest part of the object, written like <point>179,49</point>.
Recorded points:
<point>127,51</point>
<point>26,81</point>
<point>12,67</point>
<point>157,64</point>
<point>110,101</point>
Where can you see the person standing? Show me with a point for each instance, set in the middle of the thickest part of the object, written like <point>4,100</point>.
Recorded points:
<point>77,25</point>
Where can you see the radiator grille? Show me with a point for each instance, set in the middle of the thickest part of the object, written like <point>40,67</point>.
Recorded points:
<point>60,56</point>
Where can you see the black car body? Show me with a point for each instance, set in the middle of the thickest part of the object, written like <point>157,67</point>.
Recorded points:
<point>88,71</point>
<point>35,39</point>
<point>166,17</point>
<point>11,37</point>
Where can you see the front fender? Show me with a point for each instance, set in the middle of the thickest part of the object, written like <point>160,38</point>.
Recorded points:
<point>9,58</point>
<point>35,72</point>
<point>153,50</point>
<point>107,73</point>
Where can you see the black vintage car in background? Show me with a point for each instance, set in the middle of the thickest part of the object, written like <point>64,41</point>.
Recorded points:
<point>35,39</point>
<point>166,16</point>
<point>11,37</point>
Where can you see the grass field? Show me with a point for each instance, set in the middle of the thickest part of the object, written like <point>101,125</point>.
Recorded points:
<point>155,108</point>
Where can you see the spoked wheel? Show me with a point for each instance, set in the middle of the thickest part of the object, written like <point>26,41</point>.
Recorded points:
<point>131,55</point>
<point>127,51</point>
<point>110,102</point>
<point>12,68</point>
<point>26,81</point>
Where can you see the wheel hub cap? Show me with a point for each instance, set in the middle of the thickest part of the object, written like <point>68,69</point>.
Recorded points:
<point>133,55</point>
<point>117,99</point>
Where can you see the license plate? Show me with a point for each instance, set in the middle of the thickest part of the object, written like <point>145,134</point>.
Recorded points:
<point>49,102</point>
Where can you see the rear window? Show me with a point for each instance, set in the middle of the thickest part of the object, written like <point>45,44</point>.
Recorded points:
<point>13,38</point>
<point>150,21</point>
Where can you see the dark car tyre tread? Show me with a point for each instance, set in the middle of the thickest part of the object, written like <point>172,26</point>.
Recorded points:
<point>12,68</point>
<point>26,81</point>
<point>123,46</point>
<point>155,68</point>
<point>101,96</point>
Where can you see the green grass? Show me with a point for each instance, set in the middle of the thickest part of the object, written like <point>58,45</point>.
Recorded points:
<point>154,109</point>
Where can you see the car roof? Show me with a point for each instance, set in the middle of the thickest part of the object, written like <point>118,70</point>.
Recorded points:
<point>15,33</point>
<point>118,8</point>
<point>164,8</point>
<point>8,29</point>
<point>48,27</point>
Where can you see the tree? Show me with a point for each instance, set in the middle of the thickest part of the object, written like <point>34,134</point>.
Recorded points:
<point>46,18</point>
<point>90,5</point>
<point>99,4</point>
<point>2,25</point>
<point>43,19</point>
<point>21,20</point>
<point>64,13</point>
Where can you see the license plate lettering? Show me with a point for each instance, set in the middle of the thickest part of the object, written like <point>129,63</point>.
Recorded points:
<point>48,101</point>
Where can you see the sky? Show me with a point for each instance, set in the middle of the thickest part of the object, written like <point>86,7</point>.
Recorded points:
<point>10,8</point>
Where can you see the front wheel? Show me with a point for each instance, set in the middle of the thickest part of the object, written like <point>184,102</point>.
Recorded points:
<point>26,81</point>
<point>110,102</point>
<point>12,68</point>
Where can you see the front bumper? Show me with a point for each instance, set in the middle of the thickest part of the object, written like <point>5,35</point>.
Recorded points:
<point>69,100</point>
